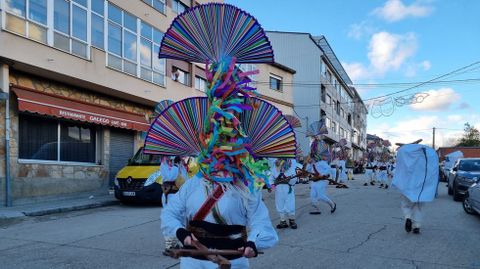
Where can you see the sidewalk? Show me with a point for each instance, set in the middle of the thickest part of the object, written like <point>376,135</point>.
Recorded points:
<point>57,204</point>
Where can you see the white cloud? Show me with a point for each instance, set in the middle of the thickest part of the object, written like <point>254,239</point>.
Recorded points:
<point>420,128</point>
<point>426,65</point>
<point>359,30</point>
<point>389,51</point>
<point>395,10</point>
<point>437,100</point>
<point>386,52</point>
<point>356,71</point>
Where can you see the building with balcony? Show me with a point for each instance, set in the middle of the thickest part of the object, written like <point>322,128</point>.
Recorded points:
<point>321,89</point>
<point>82,78</point>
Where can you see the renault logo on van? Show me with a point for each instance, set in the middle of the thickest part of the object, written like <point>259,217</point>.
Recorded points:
<point>129,180</point>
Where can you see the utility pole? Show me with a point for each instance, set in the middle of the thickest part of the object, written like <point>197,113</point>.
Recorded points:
<point>433,144</point>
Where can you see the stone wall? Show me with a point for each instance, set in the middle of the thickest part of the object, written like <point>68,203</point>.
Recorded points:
<point>31,180</point>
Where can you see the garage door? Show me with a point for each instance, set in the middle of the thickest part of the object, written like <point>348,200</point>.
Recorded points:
<point>121,149</point>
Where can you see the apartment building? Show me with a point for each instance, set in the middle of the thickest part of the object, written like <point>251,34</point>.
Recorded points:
<point>80,79</point>
<point>321,89</point>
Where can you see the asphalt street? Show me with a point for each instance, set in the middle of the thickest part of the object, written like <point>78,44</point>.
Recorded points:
<point>367,231</point>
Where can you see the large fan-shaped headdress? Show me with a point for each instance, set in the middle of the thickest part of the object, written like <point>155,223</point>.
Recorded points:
<point>317,128</point>
<point>340,150</point>
<point>216,33</point>
<point>229,129</point>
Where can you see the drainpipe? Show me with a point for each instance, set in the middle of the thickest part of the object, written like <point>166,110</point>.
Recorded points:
<point>4,94</point>
<point>8,191</point>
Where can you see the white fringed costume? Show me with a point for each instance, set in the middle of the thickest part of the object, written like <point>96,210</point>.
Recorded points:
<point>284,193</point>
<point>234,210</point>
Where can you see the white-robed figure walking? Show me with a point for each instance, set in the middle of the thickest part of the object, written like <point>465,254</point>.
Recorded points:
<point>280,170</point>
<point>342,170</point>
<point>416,177</point>
<point>318,191</point>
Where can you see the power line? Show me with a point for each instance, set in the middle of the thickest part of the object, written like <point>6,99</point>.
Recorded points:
<point>391,84</point>
<point>423,83</point>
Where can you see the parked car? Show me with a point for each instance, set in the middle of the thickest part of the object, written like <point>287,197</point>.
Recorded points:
<point>464,174</point>
<point>471,203</point>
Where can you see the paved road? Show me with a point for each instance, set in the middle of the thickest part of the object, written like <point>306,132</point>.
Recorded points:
<point>365,232</point>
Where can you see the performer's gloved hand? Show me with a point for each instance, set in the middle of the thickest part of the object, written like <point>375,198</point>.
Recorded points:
<point>185,236</point>
<point>249,250</point>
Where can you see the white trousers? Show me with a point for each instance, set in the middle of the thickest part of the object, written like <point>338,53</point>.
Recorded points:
<point>318,193</point>
<point>284,201</point>
<point>333,173</point>
<point>342,176</point>
<point>412,211</point>
<point>382,176</point>
<point>191,263</point>
<point>370,174</point>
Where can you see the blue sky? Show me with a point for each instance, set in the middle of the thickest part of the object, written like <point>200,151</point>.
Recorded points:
<point>381,42</point>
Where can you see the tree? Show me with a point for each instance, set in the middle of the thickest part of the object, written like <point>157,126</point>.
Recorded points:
<point>470,138</point>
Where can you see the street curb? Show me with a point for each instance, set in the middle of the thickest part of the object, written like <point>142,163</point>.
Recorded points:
<point>54,210</point>
<point>68,208</point>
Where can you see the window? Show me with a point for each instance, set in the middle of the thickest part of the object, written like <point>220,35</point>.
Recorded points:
<point>27,18</point>
<point>329,77</point>
<point>159,5</point>
<point>133,46</point>
<point>56,140</point>
<point>70,26</point>
<point>329,99</point>
<point>200,84</point>
<point>152,68</point>
<point>97,24</point>
<point>275,83</point>
<point>181,76</point>
<point>323,68</point>
<point>178,7</point>
<point>337,108</point>
<point>334,127</point>
<point>328,123</point>
<point>342,113</point>
<point>249,68</point>
<point>323,93</point>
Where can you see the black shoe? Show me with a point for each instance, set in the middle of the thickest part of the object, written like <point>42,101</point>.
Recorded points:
<point>386,186</point>
<point>365,184</point>
<point>408,225</point>
<point>283,224</point>
<point>292,223</point>
<point>371,183</point>
<point>315,213</point>
<point>381,185</point>
<point>416,230</point>
<point>334,208</point>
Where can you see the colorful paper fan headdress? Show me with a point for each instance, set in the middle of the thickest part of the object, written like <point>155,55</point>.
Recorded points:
<point>340,150</point>
<point>294,121</point>
<point>216,33</point>
<point>317,128</point>
<point>319,149</point>
<point>229,129</point>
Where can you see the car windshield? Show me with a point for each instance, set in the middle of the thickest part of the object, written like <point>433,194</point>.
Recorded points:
<point>469,165</point>
<point>141,158</point>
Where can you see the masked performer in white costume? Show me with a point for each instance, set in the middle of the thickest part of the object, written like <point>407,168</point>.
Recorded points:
<point>219,212</point>
<point>416,177</point>
<point>320,170</point>
<point>283,173</point>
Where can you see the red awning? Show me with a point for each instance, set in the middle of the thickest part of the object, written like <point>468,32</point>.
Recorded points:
<point>64,107</point>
